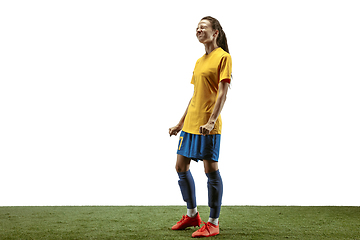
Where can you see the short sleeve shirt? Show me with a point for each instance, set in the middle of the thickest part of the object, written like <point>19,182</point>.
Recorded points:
<point>209,71</point>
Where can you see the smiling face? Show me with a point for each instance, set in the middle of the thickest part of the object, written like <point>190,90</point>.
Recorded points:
<point>205,33</point>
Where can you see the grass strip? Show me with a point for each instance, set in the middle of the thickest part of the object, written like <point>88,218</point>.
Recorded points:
<point>154,222</point>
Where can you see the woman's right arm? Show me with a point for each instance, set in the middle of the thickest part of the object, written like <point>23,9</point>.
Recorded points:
<point>175,130</point>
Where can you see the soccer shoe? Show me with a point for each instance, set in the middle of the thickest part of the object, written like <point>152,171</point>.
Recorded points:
<point>208,230</point>
<point>187,221</point>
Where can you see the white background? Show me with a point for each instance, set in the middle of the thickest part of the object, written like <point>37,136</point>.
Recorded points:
<point>89,89</point>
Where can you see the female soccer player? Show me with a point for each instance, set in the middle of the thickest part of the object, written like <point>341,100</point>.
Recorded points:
<point>201,126</point>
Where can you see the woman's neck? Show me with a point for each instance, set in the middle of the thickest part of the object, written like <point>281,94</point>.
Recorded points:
<point>210,47</point>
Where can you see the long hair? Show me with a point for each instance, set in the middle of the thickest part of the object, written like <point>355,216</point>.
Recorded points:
<point>221,41</point>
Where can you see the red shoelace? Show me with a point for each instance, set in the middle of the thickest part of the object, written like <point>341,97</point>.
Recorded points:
<point>205,227</point>
<point>183,218</point>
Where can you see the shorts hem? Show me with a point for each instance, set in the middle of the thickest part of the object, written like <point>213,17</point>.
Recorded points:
<point>197,159</point>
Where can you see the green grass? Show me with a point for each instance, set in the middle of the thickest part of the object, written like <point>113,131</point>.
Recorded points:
<point>236,222</point>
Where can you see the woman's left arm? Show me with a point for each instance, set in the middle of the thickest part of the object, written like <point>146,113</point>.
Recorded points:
<point>209,126</point>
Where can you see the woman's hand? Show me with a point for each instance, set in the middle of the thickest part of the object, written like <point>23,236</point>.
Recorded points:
<point>175,130</point>
<point>206,129</point>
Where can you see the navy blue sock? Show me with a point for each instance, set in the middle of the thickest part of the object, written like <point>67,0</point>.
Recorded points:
<point>187,187</point>
<point>215,192</point>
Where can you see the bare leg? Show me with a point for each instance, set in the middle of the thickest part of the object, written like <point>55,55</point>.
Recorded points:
<point>182,164</point>
<point>210,166</point>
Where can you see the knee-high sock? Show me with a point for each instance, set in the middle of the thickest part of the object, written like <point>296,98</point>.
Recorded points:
<point>215,192</point>
<point>187,187</point>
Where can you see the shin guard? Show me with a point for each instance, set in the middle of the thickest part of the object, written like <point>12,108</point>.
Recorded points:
<point>215,192</point>
<point>187,187</point>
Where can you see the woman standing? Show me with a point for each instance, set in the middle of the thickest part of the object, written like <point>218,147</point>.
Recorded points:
<point>201,126</point>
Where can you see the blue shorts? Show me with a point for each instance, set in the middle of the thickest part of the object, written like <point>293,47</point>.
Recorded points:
<point>199,147</point>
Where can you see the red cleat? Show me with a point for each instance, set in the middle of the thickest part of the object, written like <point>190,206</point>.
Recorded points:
<point>208,230</point>
<point>187,221</point>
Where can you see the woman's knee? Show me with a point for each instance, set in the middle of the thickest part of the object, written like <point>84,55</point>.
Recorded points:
<point>210,166</point>
<point>182,164</point>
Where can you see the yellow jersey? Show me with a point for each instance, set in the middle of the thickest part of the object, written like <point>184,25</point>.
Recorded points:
<point>209,71</point>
